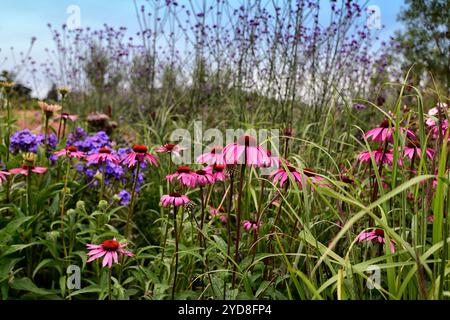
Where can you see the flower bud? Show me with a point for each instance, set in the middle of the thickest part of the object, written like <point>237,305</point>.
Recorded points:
<point>29,158</point>
<point>98,176</point>
<point>81,205</point>
<point>103,204</point>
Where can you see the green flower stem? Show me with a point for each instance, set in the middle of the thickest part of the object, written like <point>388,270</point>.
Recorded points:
<point>63,200</point>
<point>176,251</point>
<point>47,118</point>
<point>238,222</point>
<point>102,185</point>
<point>110,283</point>
<point>133,196</point>
<point>28,178</point>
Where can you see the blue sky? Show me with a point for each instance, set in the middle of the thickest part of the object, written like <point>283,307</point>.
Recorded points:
<point>20,20</point>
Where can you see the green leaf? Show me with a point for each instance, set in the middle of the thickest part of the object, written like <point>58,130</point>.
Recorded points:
<point>25,284</point>
<point>90,289</point>
<point>17,247</point>
<point>11,228</point>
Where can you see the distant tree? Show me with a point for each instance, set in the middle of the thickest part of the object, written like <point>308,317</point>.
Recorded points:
<point>52,94</point>
<point>19,91</point>
<point>425,41</point>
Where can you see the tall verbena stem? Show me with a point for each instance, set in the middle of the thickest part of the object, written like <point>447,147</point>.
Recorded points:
<point>8,119</point>
<point>63,95</point>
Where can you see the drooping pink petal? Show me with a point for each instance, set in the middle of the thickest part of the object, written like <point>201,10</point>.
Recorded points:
<point>106,259</point>
<point>98,255</point>
<point>127,253</point>
<point>39,170</point>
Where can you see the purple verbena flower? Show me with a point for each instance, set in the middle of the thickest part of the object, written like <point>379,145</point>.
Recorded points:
<point>23,141</point>
<point>125,197</point>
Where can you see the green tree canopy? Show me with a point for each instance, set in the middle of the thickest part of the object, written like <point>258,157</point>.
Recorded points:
<point>425,41</point>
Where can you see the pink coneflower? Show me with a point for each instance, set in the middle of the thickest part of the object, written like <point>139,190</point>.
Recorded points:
<point>412,149</point>
<point>185,176</point>
<point>140,154</point>
<point>376,235</point>
<point>102,155</point>
<point>108,249</point>
<point>203,178</point>
<point>66,116</point>
<point>273,161</point>
<point>212,157</point>
<point>251,225</point>
<point>282,175</point>
<point>24,170</point>
<point>218,213</point>
<point>169,148</point>
<point>388,157</point>
<point>175,199</point>
<point>311,176</point>
<point>246,151</point>
<point>3,175</point>
<point>434,127</point>
<point>70,151</point>
<point>218,171</point>
<point>385,133</point>
<point>435,112</point>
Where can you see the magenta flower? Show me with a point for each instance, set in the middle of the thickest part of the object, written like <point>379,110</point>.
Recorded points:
<point>103,155</point>
<point>175,199</point>
<point>246,151</point>
<point>412,149</point>
<point>434,128</point>
<point>139,154</point>
<point>215,156</point>
<point>251,225</point>
<point>185,176</point>
<point>3,175</point>
<point>435,112</point>
<point>24,170</point>
<point>203,178</point>
<point>218,213</point>
<point>385,133</point>
<point>67,116</point>
<point>70,151</point>
<point>108,249</point>
<point>388,157</point>
<point>282,175</point>
<point>314,179</point>
<point>376,235</point>
<point>169,148</point>
<point>217,171</point>
<point>274,162</point>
